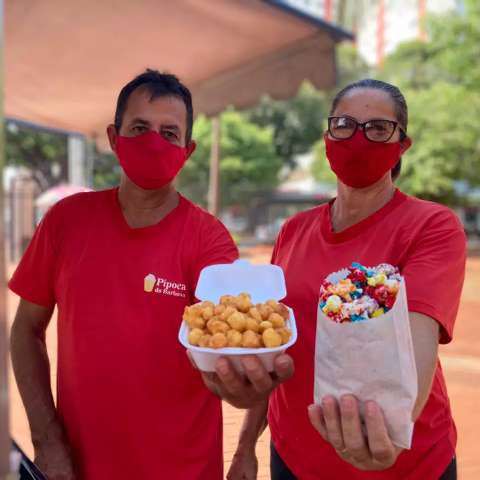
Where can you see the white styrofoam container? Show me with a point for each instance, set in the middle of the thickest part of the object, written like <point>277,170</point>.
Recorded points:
<point>262,282</point>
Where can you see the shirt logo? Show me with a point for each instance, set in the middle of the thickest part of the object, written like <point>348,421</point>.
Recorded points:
<point>153,284</point>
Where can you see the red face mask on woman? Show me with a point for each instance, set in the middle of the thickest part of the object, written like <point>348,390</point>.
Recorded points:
<point>149,160</point>
<point>358,162</point>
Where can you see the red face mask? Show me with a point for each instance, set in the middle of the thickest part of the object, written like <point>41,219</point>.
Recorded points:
<point>358,162</point>
<point>149,160</point>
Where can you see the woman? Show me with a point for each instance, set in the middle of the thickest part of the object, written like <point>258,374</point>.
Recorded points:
<point>371,222</point>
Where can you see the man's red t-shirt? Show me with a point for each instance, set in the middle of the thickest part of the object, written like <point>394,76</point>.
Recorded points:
<point>427,242</point>
<point>131,402</point>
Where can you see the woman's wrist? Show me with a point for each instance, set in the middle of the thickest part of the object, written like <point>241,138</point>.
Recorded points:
<point>246,446</point>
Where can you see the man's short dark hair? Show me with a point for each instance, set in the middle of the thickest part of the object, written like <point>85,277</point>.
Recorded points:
<point>158,85</point>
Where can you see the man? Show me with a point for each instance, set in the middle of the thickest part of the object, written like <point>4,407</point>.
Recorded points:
<point>121,265</point>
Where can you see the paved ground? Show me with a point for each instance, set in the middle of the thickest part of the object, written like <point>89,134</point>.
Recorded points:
<point>461,362</point>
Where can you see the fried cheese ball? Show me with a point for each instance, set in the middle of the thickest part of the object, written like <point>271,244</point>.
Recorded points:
<point>205,304</point>
<point>243,302</point>
<point>279,308</point>
<point>193,317</point>
<point>215,325</point>
<point>227,300</point>
<point>207,312</point>
<point>218,340</point>
<point>271,338</point>
<point>276,320</point>
<point>264,325</point>
<point>195,335</point>
<point>234,338</point>
<point>285,333</point>
<point>237,321</point>
<point>251,340</point>
<point>195,322</point>
<point>255,314</point>
<point>227,312</point>
<point>252,324</point>
<point>204,340</point>
<point>265,310</point>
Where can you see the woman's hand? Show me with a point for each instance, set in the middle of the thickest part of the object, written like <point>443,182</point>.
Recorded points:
<point>340,425</point>
<point>244,465</point>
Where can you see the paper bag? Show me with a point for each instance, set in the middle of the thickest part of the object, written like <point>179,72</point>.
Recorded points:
<point>371,359</point>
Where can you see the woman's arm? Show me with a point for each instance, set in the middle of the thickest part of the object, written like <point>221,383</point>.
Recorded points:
<point>340,423</point>
<point>244,464</point>
<point>425,335</point>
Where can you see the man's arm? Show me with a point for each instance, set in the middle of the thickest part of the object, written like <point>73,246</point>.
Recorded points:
<point>340,423</point>
<point>32,373</point>
<point>244,463</point>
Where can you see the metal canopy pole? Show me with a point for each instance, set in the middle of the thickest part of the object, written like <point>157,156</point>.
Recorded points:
<point>4,417</point>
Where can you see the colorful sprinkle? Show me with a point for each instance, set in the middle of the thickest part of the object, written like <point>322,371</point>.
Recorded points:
<point>365,293</point>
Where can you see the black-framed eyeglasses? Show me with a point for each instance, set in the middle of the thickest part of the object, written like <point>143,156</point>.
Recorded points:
<point>375,130</point>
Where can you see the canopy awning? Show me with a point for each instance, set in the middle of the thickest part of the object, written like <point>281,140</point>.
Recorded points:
<point>67,60</point>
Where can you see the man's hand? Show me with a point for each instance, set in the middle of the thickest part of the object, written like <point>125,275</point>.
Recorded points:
<point>245,391</point>
<point>53,456</point>
<point>55,462</point>
<point>244,465</point>
<point>340,425</point>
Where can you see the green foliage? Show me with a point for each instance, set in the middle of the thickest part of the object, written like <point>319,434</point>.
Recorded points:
<point>441,82</point>
<point>45,153</point>
<point>456,45</point>
<point>106,170</point>
<point>446,144</point>
<point>296,122</point>
<point>451,54</point>
<point>320,167</point>
<point>350,68</point>
<point>412,66</point>
<point>248,164</point>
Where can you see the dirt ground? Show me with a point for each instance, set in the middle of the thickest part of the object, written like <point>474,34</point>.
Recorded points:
<point>460,360</point>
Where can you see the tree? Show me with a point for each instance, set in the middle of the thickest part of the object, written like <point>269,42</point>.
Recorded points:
<point>43,152</point>
<point>350,68</point>
<point>248,164</point>
<point>446,147</point>
<point>320,168</point>
<point>441,82</point>
<point>106,170</point>
<point>296,122</point>
<point>455,40</point>
<point>451,54</point>
<point>412,65</point>
<point>299,121</point>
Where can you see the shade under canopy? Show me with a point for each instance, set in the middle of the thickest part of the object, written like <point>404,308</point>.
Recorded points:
<point>67,60</point>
